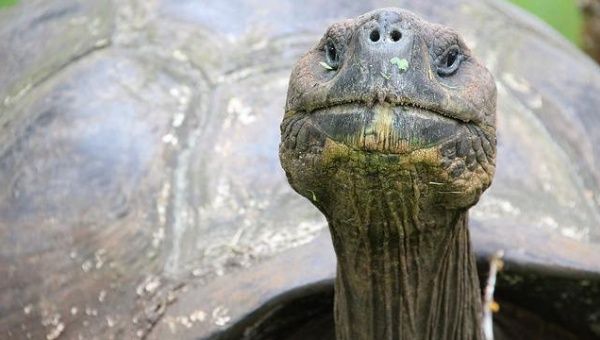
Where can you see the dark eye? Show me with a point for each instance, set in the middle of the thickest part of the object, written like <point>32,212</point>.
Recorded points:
<point>331,55</point>
<point>449,61</point>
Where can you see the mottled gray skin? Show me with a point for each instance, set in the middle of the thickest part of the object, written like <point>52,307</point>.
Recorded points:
<point>394,157</point>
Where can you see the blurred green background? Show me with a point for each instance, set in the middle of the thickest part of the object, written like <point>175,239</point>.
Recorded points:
<point>563,15</point>
<point>4,3</point>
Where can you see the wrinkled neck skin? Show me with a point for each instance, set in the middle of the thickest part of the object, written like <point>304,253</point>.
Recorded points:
<point>406,269</point>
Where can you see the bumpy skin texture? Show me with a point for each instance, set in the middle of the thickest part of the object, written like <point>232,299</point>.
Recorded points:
<point>389,130</point>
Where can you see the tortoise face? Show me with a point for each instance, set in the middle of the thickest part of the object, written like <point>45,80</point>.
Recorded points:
<point>389,94</point>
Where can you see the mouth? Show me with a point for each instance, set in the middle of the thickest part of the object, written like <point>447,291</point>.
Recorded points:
<point>386,128</point>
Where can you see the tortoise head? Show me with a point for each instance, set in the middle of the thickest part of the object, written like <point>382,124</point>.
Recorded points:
<point>388,103</point>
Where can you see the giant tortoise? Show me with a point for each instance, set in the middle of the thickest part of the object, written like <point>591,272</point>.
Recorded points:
<point>141,193</point>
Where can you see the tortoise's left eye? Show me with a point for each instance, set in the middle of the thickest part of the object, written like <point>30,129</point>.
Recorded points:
<point>449,61</point>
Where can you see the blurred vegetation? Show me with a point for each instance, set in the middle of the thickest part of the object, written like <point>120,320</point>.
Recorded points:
<point>563,15</point>
<point>6,3</point>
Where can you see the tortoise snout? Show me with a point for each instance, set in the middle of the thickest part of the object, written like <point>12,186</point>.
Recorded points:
<point>385,36</point>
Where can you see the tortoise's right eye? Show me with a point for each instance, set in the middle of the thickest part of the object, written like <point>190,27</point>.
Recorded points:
<point>331,55</point>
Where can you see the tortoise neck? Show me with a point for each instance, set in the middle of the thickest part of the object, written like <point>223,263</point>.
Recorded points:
<point>393,286</point>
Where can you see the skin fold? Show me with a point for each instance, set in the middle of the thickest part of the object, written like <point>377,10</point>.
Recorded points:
<point>390,131</point>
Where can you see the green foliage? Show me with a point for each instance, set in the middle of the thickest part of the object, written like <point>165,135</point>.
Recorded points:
<point>7,3</point>
<point>401,63</point>
<point>563,15</point>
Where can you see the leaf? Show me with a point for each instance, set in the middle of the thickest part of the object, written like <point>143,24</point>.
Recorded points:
<point>326,66</point>
<point>401,63</point>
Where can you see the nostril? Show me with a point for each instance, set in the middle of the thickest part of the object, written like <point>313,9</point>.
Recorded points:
<point>396,35</point>
<point>374,36</point>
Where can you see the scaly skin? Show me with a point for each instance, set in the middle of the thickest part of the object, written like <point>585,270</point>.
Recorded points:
<point>394,144</point>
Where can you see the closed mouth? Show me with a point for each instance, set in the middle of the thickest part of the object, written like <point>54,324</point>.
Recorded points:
<point>405,103</point>
<point>385,128</point>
